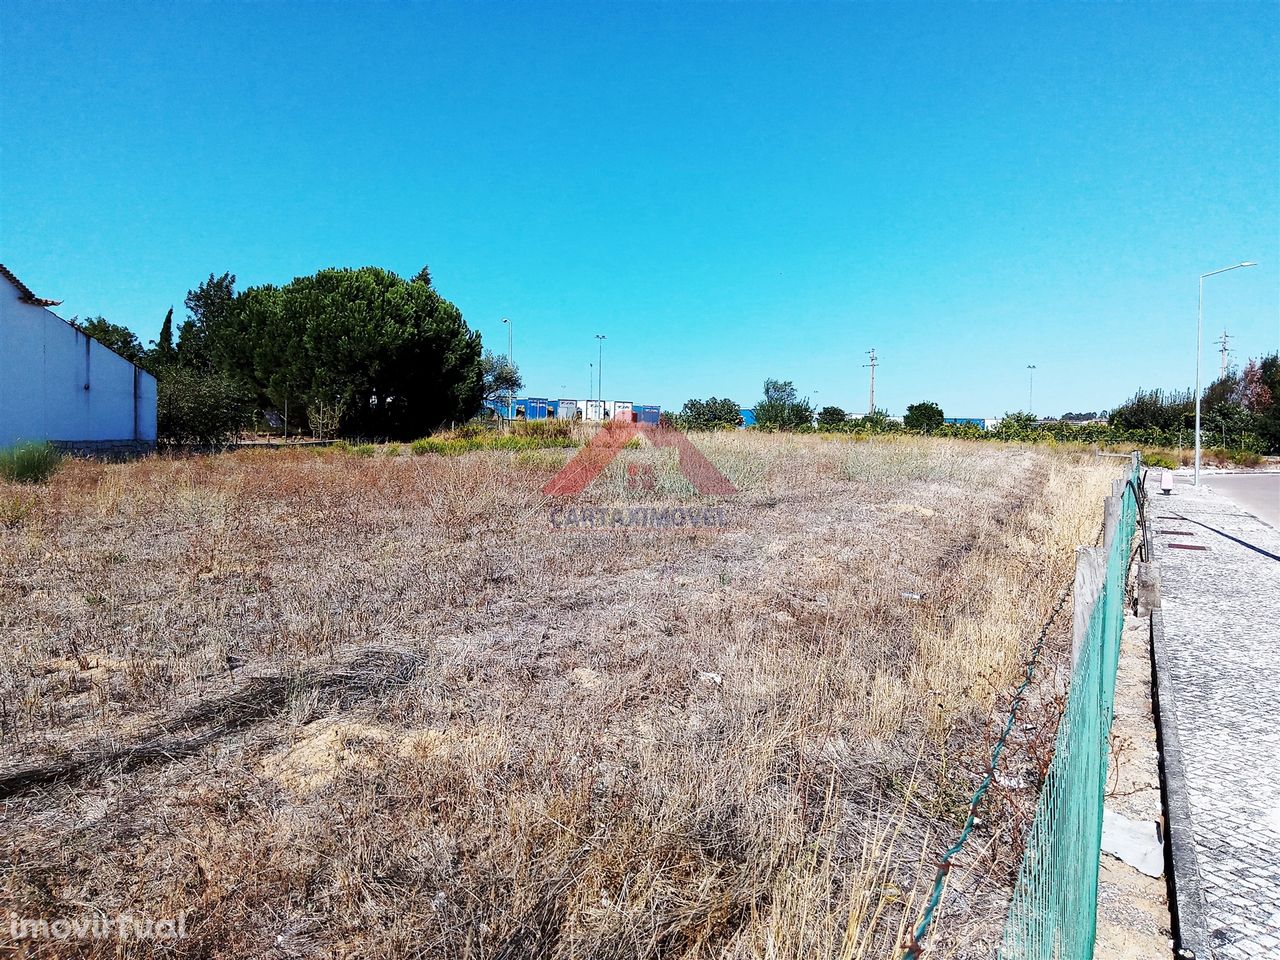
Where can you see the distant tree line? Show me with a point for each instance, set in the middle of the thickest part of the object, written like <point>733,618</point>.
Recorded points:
<point>366,352</point>
<point>1240,411</point>
<point>339,353</point>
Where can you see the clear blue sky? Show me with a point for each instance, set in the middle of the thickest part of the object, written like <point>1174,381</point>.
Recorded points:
<point>728,192</point>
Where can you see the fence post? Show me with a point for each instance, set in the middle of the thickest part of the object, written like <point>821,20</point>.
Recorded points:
<point>1091,566</point>
<point>1110,519</point>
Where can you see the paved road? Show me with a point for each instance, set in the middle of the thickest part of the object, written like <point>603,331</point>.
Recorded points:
<point>1259,493</point>
<point>1221,612</point>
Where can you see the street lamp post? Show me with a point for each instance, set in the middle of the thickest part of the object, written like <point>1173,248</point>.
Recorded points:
<point>1199,338</point>
<point>511,400</point>
<point>1031,388</point>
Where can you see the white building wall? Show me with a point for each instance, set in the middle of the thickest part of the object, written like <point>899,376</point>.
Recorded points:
<point>58,384</point>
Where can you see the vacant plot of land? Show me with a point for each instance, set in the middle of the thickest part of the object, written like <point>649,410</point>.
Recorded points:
<point>342,706</point>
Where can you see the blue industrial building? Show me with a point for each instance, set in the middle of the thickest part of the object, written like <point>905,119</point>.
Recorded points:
<point>539,408</point>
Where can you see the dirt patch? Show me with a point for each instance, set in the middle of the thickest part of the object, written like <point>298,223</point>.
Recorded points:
<point>1133,908</point>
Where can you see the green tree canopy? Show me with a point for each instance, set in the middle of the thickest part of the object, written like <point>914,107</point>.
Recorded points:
<point>925,417</point>
<point>392,354</point>
<point>877,421</point>
<point>709,414</point>
<point>208,312</point>
<point>1014,425</point>
<point>831,416</point>
<point>163,353</point>
<point>165,348</point>
<point>781,409</point>
<point>1261,390</point>
<point>1155,410</point>
<point>113,336</point>
<point>501,377</point>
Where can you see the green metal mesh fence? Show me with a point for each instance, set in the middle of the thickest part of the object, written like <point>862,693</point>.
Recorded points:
<point>1054,911</point>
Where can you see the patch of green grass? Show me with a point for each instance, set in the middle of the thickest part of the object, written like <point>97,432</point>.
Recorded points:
<point>29,462</point>
<point>544,429</point>
<point>451,446</point>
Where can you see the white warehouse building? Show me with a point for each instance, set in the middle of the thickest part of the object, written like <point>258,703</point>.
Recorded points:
<point>60,385</point>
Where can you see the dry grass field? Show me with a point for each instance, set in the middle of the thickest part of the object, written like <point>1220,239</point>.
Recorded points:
<point>332,705</point>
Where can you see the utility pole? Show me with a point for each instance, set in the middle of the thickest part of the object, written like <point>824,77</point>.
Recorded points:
<point>1224,342</point>
<point>872,354</point>
<point>1031,388</point>
<point>600,338</point>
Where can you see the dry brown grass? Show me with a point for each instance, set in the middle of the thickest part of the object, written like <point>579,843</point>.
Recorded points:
<point>341,706</point>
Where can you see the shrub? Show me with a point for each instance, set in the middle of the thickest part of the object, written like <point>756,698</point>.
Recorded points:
<point>544,429</point>
<point>831,416</point>
<point>199,408</point>
<point>1159,461</point>
<point>926,417</point>
<point>877,421</point>
<point>29,462</point>
<point>14,510</point>
<point>364,450</point>
<point>1222,457</point>
<point>420,447</point>
<point>476,428</point>
<point>782,409</point>
<point>1154,410</point>
<point>711,414</point>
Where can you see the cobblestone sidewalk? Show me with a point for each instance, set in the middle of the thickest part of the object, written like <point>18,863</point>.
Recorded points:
<point>1220,595</point>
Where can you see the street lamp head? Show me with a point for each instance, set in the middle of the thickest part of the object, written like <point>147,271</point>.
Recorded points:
<point>505,320</point>
<point>1248,263</point>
